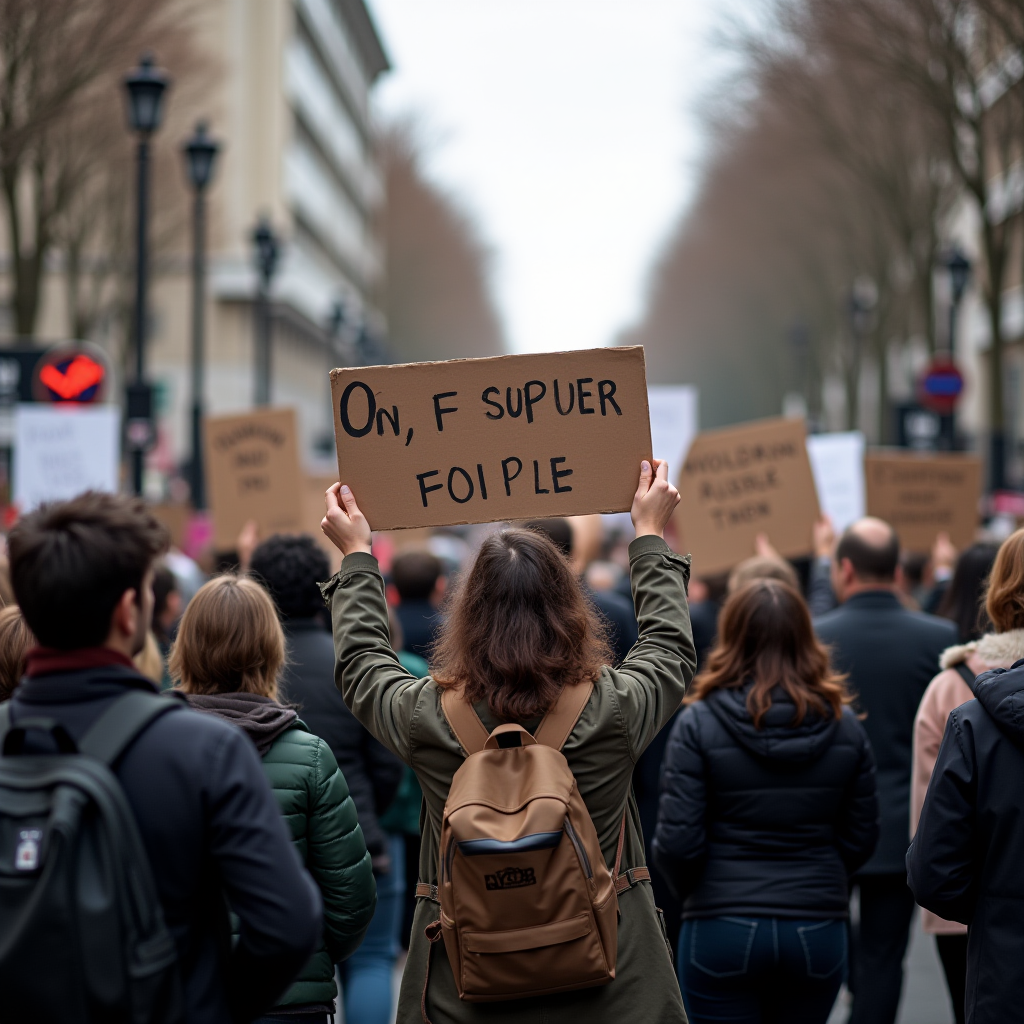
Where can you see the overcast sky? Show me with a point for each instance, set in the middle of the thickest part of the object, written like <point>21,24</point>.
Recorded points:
<point>567,129</point>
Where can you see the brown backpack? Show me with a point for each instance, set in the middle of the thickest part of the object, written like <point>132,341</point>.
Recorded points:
<point>528,905</point>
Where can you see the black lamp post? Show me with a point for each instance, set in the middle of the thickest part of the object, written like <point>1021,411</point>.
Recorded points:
<point>959,267</point>
<point>145,87</point>
<point>200,154</point>
<point>267,250</point>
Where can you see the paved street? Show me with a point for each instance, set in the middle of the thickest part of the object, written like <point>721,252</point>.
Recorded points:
<point>925,999</point>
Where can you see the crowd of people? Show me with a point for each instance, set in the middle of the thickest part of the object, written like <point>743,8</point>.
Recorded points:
<point>806,752</point>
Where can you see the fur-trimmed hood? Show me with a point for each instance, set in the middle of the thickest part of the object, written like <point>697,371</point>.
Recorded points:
<point>1000,650</point>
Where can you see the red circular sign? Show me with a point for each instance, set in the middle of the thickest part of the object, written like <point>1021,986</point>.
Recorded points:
<point>941,385</point>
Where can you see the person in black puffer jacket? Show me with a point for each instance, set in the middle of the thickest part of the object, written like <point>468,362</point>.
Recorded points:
<point>767,806</point>
<point>965,861</point>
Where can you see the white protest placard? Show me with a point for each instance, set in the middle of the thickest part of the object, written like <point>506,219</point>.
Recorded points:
<point>673,409</point>
<point>837,462</point>
<point>62,450</point>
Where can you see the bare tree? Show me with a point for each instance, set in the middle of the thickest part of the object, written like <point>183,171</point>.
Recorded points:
<point>60,62</point>
<point>952,56</point>
<point>436,291</point>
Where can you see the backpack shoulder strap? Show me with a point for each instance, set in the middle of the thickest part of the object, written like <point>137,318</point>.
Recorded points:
<point>5,721</point>
<point>122,722</point>
<point>965,673</point>
<point>563,715</point>
<point>463,720</point>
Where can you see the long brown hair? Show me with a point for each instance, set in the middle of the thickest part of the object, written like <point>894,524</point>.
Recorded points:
<point>1005,599</point>
<point>229,640</point>
<point>765,637</point>
<point>518,628</point>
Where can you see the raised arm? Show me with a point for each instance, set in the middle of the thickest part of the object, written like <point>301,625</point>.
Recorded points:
<point>379,692</point>
<point>651,681</point>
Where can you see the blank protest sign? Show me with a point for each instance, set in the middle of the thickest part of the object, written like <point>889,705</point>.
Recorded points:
<point>742,481</point>
<point>62,450</point>
<point>673,421</point>
<point>838,464</point>
<point>483,440</point>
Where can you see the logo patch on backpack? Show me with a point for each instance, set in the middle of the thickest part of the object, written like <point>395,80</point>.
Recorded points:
<point>511,878</point>
<point>26,853</point>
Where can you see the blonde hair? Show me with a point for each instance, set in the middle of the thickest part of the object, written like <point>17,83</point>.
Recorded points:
<point>16,640</point>
<point>1005,599</point>
<point>229,640</point>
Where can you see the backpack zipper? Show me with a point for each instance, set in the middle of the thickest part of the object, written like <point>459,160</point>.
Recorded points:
<point>580,851</point>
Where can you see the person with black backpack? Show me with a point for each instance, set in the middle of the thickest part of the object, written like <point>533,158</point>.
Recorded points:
<point>130,824</point>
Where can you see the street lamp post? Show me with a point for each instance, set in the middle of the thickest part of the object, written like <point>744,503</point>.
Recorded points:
<point>145,87</point>
<point>200,154</point>
<point>959,267</point>
<point>267,251</point>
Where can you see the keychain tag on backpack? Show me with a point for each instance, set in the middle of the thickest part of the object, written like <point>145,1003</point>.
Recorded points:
<point>26,854</point>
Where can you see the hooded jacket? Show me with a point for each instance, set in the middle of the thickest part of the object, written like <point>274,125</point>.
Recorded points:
<point>321,818</point>
<point>965,861</point>
<point>948,690</point>
<point>767,821</point>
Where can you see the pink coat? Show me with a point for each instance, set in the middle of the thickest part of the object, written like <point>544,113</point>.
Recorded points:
<point>946,692</point>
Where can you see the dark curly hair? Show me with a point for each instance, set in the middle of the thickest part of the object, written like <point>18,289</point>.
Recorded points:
<point>290,567</point>
<point>519,628</point>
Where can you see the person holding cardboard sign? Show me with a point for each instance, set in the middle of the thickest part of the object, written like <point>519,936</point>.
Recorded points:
<point>519,641</point>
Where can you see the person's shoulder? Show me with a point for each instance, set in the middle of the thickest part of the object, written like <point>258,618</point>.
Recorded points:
<point>850,728</point>
<point>932,626</point>
<point>698,724</point>
<point>830,621</point>
<point>296,746</point>
<point>192,743</point>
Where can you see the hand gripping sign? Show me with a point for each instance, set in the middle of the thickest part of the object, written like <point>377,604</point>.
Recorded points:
<point>482,440</point>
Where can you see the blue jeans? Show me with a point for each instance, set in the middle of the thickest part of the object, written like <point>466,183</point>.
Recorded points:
<point>366,975</point>
<point>760,970</point>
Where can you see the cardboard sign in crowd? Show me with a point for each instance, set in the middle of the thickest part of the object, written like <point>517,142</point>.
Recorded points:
<point>253,472</point>
<point>742,481</point>
<point>923,495</point>
<point>484,440</point>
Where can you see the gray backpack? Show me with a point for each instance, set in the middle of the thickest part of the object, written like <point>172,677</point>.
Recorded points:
<point>82,931</point>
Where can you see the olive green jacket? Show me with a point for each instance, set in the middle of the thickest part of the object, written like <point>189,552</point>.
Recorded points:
<point>314,799</point>
<point>628,707</point>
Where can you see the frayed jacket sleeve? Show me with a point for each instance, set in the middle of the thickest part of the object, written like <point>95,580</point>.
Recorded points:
<point>857,834</point>
<point>650,683</point>
<point>680,841</point>
<point>941,868</point>
<point>380,693</point>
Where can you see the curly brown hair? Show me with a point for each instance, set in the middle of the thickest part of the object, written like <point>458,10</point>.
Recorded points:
<point>519,628</point>
<point>765,636</point>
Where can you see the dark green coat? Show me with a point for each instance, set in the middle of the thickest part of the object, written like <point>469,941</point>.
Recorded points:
<point>314,800</point>
<point>628,707</point>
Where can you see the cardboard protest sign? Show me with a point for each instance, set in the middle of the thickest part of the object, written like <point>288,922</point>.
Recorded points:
<point>921,495</point>
<point>253,472</point>
<point>62,450</point>
<point>481,440</point>
<point>837,461</point>
<point>742,481</point>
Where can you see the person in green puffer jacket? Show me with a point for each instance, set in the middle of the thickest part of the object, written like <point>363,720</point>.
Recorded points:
<point>227,658</point>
